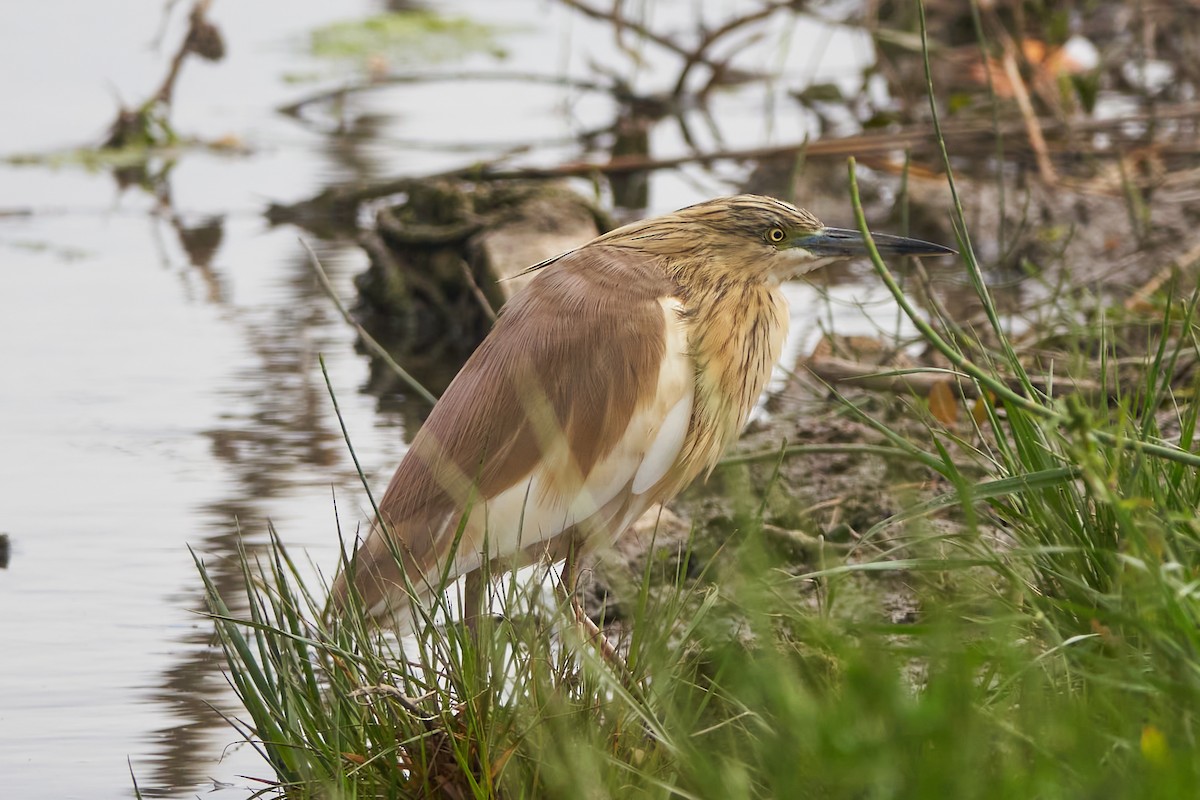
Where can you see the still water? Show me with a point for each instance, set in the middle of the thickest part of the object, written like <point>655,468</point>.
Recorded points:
<point>159,384</point>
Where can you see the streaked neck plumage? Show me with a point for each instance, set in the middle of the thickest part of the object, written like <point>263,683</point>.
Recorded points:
<point>736,332</point>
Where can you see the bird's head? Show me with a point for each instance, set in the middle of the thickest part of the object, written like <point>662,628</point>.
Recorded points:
<point>750,237</point>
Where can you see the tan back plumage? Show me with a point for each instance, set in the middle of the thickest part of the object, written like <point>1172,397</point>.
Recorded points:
<point>583,342</point>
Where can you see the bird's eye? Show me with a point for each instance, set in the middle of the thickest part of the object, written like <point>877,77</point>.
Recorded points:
<point>776,235</point>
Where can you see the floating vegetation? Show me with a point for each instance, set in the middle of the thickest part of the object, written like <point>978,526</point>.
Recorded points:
<point>404,36</point>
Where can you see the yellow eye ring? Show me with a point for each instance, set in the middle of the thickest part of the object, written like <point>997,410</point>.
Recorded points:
<point>776,235</point>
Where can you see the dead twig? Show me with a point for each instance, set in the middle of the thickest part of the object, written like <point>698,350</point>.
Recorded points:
<point>619,22</point>
<point>698,54</point>
<point>402,79</point>
<point>409,704</point>
<point>149,123</point>
<point>202,38</point>
<point>1033,128</point>
<point>921,380</point>
<point>343,200</point>
<point>1141,298</point>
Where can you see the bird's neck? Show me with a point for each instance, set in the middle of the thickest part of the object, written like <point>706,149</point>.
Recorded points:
<point>737,336</point>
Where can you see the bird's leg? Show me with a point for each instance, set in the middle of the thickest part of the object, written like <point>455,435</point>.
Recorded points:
<point>568,583</point>
<point>473,600</point>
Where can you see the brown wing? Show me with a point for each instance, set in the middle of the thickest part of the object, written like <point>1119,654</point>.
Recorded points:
<point>568,362</point>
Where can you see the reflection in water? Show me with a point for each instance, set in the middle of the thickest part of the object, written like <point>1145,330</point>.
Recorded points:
<point>201,242</point>
<point>280,433</point>
<point>277,431</point>
<point>353,150</point>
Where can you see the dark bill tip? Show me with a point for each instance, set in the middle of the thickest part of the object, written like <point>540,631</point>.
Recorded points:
<point>845,242</point>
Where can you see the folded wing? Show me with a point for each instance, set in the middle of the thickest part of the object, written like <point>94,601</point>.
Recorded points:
<point>564,425</point>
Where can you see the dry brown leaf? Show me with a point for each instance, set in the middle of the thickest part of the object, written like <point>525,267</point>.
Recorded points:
<point>498,764</point>
<point>979,408</point>
<point>942,402</point>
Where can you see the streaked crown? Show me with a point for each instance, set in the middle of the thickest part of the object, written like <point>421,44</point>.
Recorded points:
<point>747,237</point>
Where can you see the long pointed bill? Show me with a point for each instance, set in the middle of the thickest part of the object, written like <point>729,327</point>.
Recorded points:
<point>832,242</point>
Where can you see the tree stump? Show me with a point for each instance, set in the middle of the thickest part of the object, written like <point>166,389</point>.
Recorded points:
<point>447,257</point>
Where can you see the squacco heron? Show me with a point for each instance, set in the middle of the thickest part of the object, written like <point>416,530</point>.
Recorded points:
<point>620,373</point>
